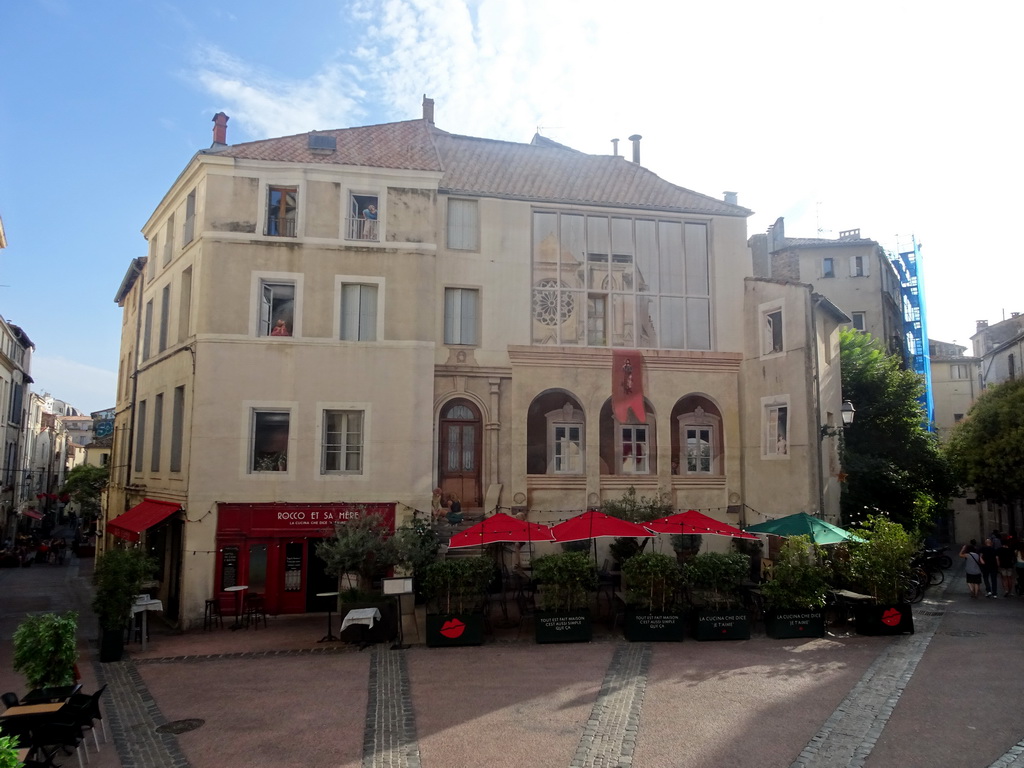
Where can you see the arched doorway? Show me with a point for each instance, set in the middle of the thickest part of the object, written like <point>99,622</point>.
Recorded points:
<point>460,439</point>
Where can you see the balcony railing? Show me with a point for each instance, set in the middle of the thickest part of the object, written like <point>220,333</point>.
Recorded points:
<point>279,226</point>
<point>362,229</point>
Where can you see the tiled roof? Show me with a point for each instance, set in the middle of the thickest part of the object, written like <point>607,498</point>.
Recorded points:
<point>543,171</point>
<point>821,242</point>
<point>405,146</point>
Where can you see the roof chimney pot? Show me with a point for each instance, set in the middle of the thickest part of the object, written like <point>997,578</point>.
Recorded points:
<point>635,138</point>
<point>730,198</point>
<point>982,325</point>
<point>428,109</point>
<point>615,147</point>
<point>220,128</point>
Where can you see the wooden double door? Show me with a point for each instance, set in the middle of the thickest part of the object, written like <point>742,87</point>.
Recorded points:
<point>460,443</point>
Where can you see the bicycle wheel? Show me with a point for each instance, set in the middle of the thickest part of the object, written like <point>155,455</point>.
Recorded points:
<point>936,577</point>
<point>945,562</point>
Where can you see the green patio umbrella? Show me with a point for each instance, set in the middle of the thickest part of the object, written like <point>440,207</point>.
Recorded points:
<point>802,524</point>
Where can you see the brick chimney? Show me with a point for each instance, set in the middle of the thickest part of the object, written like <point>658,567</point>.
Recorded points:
<point>730,197</point>
<point>635,138</point>
<point>220,128</point>
<point>981,325</point>
<point>428,109</point>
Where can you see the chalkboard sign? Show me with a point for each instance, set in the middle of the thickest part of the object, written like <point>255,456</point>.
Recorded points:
<point>229,567</point>
<point>293,567</point>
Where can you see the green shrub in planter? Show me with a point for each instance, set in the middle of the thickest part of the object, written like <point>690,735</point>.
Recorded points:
<point>118,578</point>
<point>714,578</point>
<point>652,599</point>
<point>458,585</point>
<point>364,546</point>
<point>46,649</point>
<point>565,579</point>
<point>880,564</point>
<point>9,753</point>
<point>795,595</point>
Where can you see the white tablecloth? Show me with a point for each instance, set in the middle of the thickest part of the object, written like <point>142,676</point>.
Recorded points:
<point>147,605</point>
<point>360,616</point>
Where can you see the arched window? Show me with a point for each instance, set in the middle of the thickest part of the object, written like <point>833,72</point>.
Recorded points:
<point>697,442</point>
<point>555,435</point>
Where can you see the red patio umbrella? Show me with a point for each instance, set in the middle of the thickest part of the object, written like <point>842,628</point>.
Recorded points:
<point>498,529</point>
<point>593,524</point>
<point>693,522</point>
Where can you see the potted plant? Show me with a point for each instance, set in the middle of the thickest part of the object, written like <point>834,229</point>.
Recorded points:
<point>46,649</point>
<point>714,579</point>
<point>118,577</point>
<point>365,549</point>
<point>879,566</point>
<point>456,589</point>
<point>9,753</point>
<point>565,581</point>
<point>795,595</point>
<point>418,545</point>
<point>652,598</point>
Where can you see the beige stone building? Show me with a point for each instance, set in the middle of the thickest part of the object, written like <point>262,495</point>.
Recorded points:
<point>336,322</point>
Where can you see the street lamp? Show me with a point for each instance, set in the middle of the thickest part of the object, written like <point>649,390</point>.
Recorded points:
<point>847,412</point>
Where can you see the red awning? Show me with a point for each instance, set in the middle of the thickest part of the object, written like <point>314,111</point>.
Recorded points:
<point>140,517</point>
<point>33,514</point>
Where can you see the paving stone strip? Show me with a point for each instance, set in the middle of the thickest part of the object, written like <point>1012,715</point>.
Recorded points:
<point>609,737</point>
<point>133,718</point>
<point>848,736</point>
<point>1014,757</point>
<point>389,739</point>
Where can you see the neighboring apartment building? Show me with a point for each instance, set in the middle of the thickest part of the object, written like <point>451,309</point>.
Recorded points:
<point>334,323</point>
<point>1000,347</point>
<point>852,271</point>
<point>956,384</point>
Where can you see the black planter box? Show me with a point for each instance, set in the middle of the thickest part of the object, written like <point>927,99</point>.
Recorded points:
<point>883,619</point>
<point>556,627</point>
<point>445,630</point>
<point>641,627</point>
<point>787,623</point>
<point>721,624</point>
<point>111,645</point>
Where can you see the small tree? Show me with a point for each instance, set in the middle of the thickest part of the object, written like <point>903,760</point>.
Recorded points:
<point>797,579</point>
<point>654,580</point>
<point>118,577</point>
<point>46,649</point>
<point>715,577</point>
<point>364,546</point>
<point>636,509</point>
<point>880,563</point>
<point>85,484</point>
<point>565,579</point>
<point>460,584</point>
<point>418,546</point>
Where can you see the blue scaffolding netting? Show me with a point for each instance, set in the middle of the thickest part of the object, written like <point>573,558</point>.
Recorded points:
<point>915,325</point>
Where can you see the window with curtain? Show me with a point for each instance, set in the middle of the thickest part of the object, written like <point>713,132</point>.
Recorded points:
<point>358,312</point>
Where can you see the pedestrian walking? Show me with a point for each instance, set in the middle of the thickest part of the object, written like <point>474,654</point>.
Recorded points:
<point>1006,561</point>
<point>989,569</point>
<point>973,569</point>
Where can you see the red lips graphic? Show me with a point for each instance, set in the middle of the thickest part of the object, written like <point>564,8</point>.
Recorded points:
<point>891,617</point>
<point>452,629</point>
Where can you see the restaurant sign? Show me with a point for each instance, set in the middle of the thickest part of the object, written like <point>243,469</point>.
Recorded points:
<point>255,520</point>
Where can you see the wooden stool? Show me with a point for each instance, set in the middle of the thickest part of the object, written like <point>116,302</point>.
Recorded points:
<point>212,615</point>
<point>254,609</point>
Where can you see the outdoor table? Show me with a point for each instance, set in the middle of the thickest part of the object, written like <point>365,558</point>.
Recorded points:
<point>330,610</point>
<point>363,618</point>
<point>59,693</point>
<point>21,710</point>
<point>144,604</point>
<point>237,589</point>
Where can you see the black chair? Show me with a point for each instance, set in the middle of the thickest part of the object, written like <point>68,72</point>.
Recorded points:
<point>86,711</point>
<point>255,608</point>
<point>51,737</point>
<point>10,699</point>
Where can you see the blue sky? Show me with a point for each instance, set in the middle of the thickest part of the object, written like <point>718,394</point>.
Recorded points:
<point>897,118</point>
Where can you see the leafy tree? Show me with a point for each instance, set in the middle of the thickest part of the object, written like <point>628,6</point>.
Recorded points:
<point>892,462</point>
<point>986,450</point>
<point>364,545</point>
<point>85,484</point>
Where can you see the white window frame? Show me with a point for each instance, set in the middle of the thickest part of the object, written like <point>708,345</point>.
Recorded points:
<point>699,419</point>
<point>353,227</point>
<point>638,460</point>
<point>255,313</point>
<point>340,281</point>
<point>454,326</point>
<point>863,320</point>
<point>775,446</point>
<point>249,437</point>
<point>344,446</point>
<point>768,331</point>
<point>463,234</point>
<point>264,215</point>
<point>566,430</point>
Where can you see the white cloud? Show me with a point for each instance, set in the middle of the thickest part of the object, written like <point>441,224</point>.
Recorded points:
<point>268,105</point>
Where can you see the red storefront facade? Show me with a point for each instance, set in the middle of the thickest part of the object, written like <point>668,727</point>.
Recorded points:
<point>271,549</point>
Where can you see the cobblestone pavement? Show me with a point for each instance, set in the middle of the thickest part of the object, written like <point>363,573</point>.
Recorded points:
<point>609,737</point>
<point>390,737</point>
